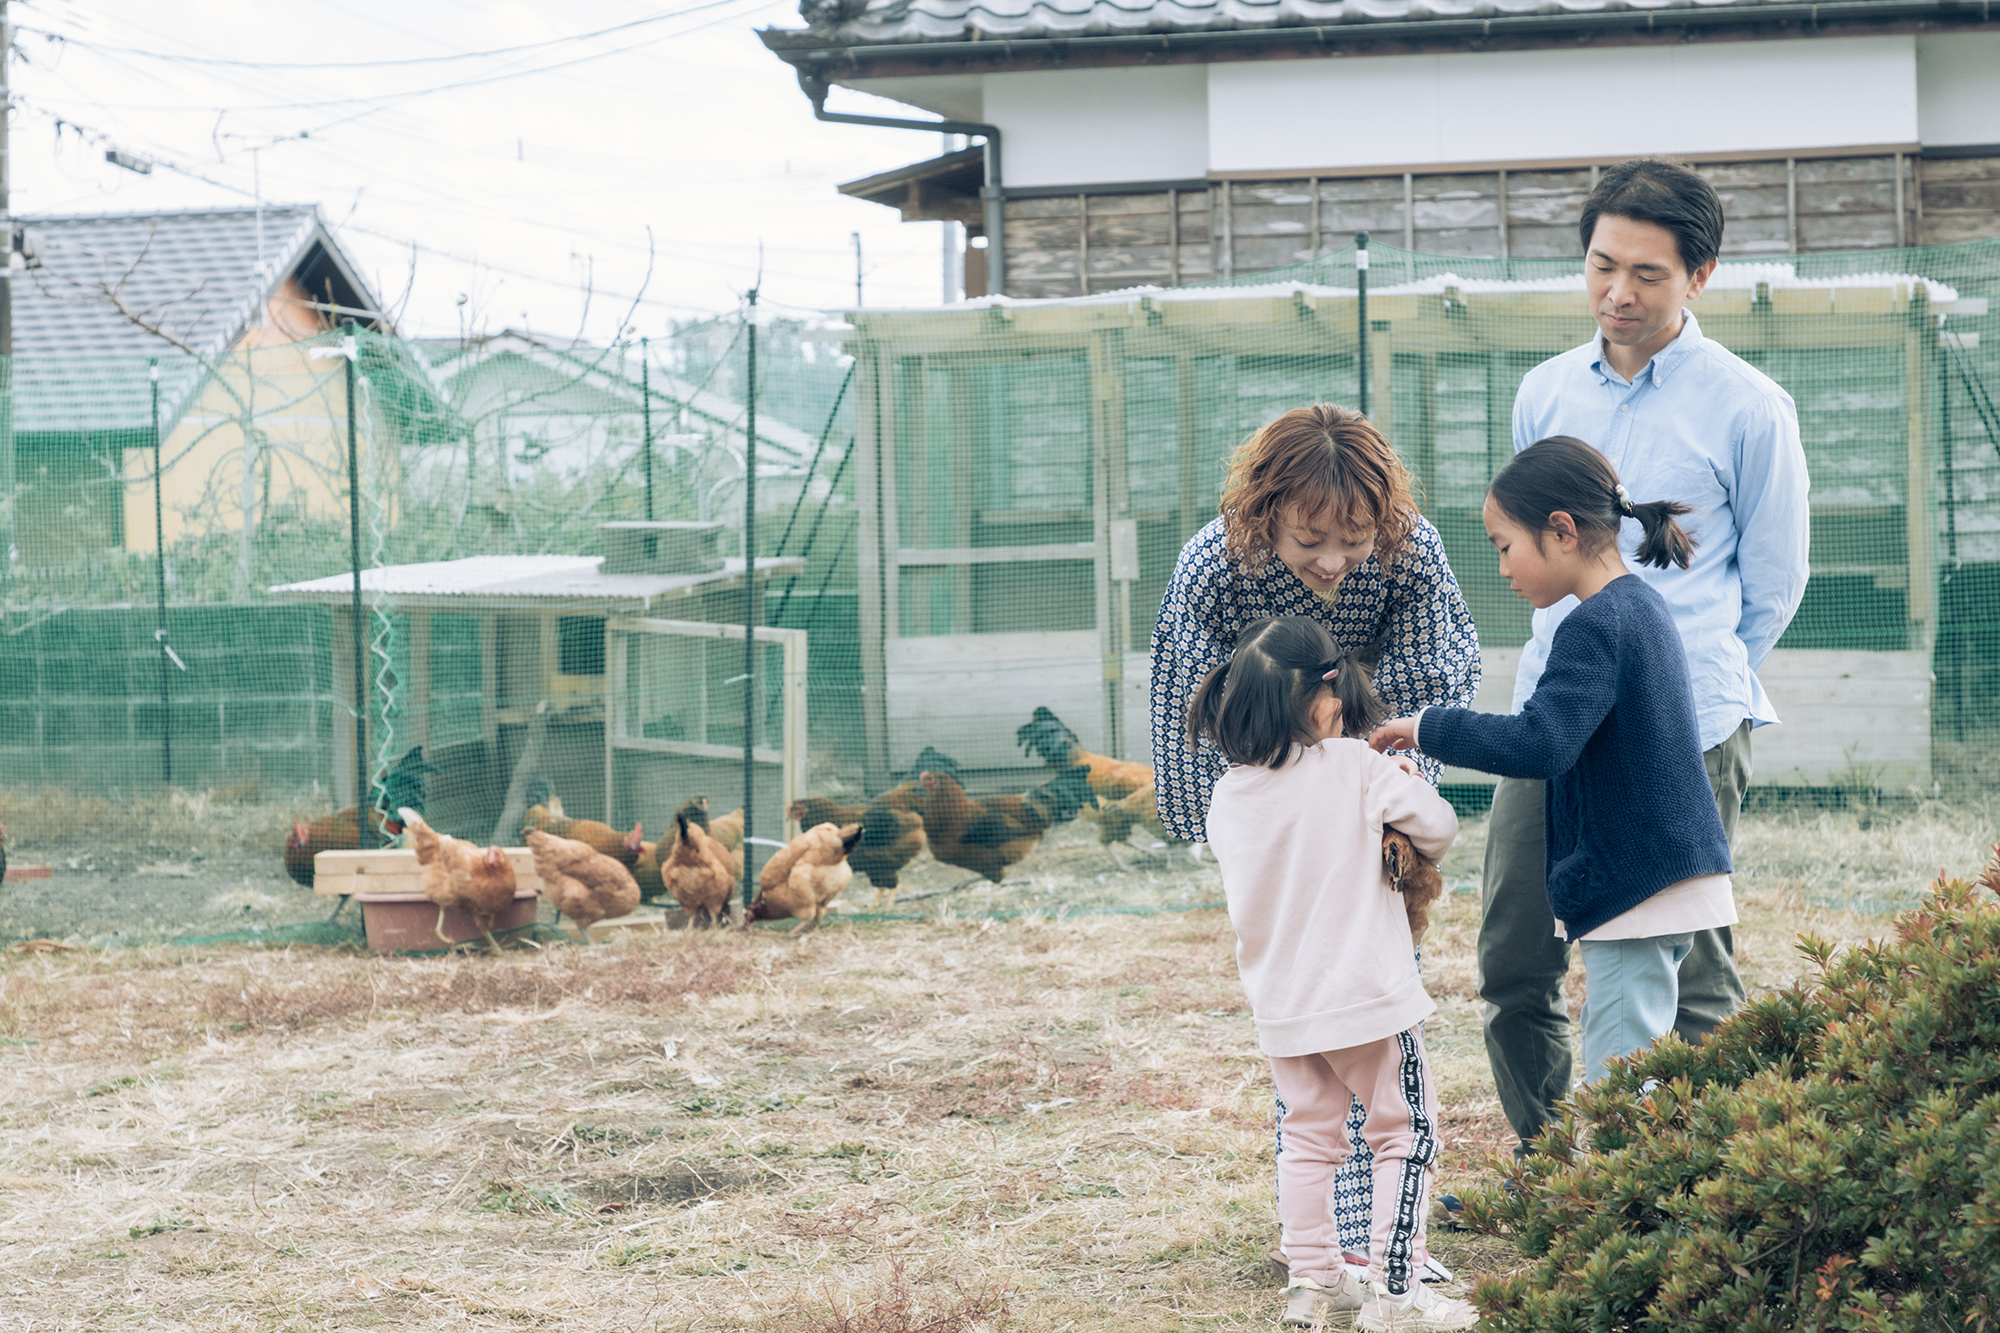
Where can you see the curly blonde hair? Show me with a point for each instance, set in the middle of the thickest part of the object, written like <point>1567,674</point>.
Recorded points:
<point>1321,458</point>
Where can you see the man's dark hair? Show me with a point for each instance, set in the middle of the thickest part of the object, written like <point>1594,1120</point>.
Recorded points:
<point>1664,194</point>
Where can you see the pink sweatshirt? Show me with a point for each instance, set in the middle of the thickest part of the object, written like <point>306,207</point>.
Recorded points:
<point>1322,941</point>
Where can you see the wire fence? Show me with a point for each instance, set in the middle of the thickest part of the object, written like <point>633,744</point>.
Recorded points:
<point>969,511</point>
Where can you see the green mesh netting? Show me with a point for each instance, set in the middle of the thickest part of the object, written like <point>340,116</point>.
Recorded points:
<point>967,511</point>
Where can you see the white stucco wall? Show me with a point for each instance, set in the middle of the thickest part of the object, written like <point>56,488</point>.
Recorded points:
<point>1529,105</point>
<point>1958,88</point>
<point>1101,126</point>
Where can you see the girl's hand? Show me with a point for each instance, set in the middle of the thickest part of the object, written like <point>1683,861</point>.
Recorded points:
<point>1398,733</point>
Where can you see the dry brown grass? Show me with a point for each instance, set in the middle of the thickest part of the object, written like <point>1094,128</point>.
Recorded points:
<point>1033,1126</point>
<point>236,817</point>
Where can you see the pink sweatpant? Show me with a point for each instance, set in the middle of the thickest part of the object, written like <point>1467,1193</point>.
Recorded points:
<point>1392,1077</point>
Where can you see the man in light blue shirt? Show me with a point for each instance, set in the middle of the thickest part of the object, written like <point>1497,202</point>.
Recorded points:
<point>1681,418</point>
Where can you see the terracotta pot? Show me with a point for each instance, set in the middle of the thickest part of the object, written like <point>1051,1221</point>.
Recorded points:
<point>405,922</point>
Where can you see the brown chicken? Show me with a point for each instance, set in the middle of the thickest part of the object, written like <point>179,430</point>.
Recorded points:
<point>891,837</point>
<point>336,832</point>
<point>727,829</point>
<point>405,785</point>
<point>646,872</point>
<point>624,848</point>
<point>988,835</point>
<point>478,881</point>
<point>580,881</point>
<point>1413,875</point>
<point>1115,819</point>
<point>699,871</point>
<point>811,810</point>
<point>803,877</point>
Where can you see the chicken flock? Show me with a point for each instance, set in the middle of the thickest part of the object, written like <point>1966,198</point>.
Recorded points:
<point>592,872</point>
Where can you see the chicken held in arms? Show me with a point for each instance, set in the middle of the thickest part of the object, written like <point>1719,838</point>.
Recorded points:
<point>581,882</point>
<point>478,881</point>
<point>989,834</point>
<point>804,876</point>
<point>699,871</point>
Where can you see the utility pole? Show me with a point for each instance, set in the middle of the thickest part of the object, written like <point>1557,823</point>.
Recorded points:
<point>857,268</point>
<point>646,415</point>
<point>750,608</point>
<point>7,249</point>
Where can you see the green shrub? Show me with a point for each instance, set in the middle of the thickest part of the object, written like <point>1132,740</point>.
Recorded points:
<point>1829,1159</point>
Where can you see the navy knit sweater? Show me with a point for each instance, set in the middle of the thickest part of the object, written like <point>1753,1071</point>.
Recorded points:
<point>1611,727</point>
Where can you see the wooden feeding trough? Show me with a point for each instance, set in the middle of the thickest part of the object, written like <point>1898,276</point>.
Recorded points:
<point>398,918</point>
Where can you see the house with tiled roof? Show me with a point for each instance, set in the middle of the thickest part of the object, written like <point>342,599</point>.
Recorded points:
<point>198,297</point>
<point>1175,141</point>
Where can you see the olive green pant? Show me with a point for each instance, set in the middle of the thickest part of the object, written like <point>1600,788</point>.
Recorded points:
<point>1522,963</point>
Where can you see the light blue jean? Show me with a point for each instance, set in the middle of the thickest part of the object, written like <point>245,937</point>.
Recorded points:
<point>1631,990</point>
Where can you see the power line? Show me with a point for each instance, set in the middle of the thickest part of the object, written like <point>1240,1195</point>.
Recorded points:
<point>389,99</point>
<point>173,58</point>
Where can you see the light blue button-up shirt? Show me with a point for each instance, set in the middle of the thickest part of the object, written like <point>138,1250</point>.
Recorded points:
<point>1701,426</point>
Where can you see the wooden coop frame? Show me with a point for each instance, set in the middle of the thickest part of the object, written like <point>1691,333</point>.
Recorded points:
<point>1845,712</point>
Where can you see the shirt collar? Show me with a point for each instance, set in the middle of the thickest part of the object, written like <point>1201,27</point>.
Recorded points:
<point>1664,361</point>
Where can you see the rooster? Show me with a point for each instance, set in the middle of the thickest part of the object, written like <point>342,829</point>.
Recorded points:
<point>477,880</point>
<point>806,875</point>
<point>1111,779</point>
<point>546,813</point>
<point>1124,789</point>
<point>580,881</point>
<point>986,836</point>
<point>699,871</point>
<point>404,786</point>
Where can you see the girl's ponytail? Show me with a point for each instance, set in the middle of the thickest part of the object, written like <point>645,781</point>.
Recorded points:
<point>1665,542</point>
<point>1562,474</point>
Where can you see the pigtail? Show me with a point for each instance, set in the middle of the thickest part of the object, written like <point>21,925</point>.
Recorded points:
<point>1204,714</point>
<point>1665,542</point>
<point>1361,708</point>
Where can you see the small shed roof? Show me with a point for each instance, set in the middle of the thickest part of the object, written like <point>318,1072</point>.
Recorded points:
<point>538,583</point>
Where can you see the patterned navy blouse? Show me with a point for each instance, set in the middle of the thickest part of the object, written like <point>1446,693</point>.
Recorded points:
<point>1430,654</point>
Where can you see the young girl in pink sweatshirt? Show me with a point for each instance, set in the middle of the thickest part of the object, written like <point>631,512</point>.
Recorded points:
<point>1324,949</point>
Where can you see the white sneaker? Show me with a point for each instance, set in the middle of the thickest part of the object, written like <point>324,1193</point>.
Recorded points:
<point>1309,1305</point>
<point>1418,1310</point>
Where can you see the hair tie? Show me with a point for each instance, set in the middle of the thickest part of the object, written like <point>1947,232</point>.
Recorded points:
<point>1624,497</point>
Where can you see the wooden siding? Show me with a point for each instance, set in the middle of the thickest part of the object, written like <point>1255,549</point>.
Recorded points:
<point>1076,244</point>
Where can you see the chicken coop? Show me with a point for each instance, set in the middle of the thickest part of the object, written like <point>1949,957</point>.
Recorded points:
<point>621,678</point>
<point>1028,471</point>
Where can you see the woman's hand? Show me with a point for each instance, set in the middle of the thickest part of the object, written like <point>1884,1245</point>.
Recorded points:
<point>1398,733</point>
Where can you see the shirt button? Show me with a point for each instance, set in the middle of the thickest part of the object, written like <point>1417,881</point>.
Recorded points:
<point>1624,407</point>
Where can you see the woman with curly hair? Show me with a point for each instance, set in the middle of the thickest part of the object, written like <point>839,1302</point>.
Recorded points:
<point>1317,519</point>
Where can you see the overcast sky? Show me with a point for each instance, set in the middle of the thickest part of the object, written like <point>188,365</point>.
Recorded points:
<point>516,188</point>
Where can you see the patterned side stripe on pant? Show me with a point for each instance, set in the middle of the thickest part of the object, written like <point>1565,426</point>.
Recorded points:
<point>1410,1181</point>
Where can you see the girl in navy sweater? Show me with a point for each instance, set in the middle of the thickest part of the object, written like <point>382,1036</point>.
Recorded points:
<point>1637,860</point>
